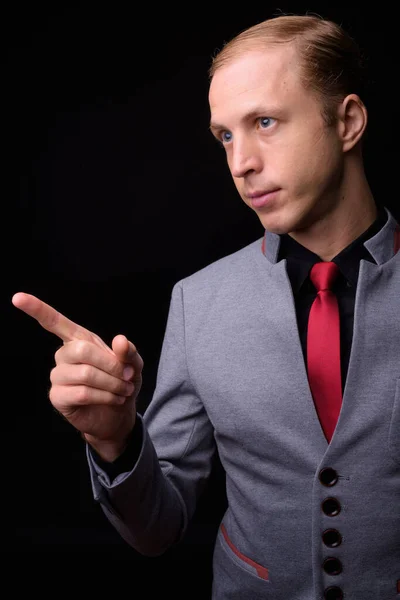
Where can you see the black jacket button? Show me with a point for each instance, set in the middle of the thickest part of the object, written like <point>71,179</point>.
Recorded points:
<point>333,593</point>
<point>332,566</point>
<point>328,477</point>
<point>331,538</point>
<point>331,507</point>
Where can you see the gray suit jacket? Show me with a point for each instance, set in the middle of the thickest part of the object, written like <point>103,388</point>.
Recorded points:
<point>232,376</point>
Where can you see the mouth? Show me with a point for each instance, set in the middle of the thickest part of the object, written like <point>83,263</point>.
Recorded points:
<point>262,197</point>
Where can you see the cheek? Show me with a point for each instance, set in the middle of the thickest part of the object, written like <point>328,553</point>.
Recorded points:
<point>327,166</point>
<point>315,165</point>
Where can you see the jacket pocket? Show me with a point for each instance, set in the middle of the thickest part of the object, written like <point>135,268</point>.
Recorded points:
<point>394,429</point>
<point>239,558</point>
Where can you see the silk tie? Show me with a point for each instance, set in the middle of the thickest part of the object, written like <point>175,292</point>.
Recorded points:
<point>323,347</point>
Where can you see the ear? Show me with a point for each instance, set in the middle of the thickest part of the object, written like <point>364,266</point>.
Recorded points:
<point>352,121</point>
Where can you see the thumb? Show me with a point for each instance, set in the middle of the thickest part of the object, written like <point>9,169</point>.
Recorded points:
<point>127,352</point>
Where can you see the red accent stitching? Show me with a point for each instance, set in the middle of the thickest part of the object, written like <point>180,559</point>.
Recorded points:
<point>397,239</point>
<point>398,586</point>
<point>261,571</point>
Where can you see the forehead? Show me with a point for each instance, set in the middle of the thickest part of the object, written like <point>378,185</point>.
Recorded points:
<point>271,75</point>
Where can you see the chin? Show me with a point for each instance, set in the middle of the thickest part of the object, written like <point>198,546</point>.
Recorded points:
<point>275,225</point>
<point>281,221</point>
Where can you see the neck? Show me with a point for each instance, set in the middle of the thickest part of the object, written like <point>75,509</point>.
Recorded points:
<point>352,211</point>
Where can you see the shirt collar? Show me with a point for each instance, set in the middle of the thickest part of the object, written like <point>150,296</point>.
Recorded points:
<point>300,259</point>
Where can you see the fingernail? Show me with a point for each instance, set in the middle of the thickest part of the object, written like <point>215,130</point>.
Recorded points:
<point>128,372</point>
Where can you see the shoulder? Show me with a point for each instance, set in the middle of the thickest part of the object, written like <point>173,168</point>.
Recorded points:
<point>232,267</point>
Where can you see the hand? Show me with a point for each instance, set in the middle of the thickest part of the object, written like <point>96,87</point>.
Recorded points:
<point>92,385</point>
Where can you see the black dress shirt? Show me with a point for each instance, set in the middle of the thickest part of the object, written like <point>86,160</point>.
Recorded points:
<point>300,260</point>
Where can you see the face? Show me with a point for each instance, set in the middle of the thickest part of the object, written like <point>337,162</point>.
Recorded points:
<point>285,162</point>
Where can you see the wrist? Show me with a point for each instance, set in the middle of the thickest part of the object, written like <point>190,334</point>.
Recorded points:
<point>108,450</point>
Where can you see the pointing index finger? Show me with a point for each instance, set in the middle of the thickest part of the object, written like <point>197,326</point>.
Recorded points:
<point>49,318</point>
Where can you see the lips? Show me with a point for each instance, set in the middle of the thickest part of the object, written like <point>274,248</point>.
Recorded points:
<point>259,193</point>
<point>261,198</point>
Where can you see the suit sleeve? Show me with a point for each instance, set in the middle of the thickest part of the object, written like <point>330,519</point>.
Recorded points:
<point>151,505</point>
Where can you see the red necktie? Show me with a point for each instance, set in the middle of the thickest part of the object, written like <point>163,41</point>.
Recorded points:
<point>323,347</point>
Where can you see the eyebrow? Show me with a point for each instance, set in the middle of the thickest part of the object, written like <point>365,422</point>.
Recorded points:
<point>255,112</point>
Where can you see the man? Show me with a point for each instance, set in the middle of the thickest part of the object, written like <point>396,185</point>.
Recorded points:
<point>283,356</point>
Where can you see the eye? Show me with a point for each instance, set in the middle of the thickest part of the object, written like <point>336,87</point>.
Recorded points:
<point>226,137</point>
<point>265,122</point>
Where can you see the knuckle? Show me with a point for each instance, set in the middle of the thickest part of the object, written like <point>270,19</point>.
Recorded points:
<point>81,350</point>
<point>86,373</point>
<point>53,375</point>
<point>82,394</point>
<point>51,394</point>
<point>54,395</point>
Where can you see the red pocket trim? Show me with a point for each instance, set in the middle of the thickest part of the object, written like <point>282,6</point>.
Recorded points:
<point>261,571</point>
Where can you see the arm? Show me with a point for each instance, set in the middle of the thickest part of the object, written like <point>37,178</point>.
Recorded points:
<point>95,388</point>
<point>151,505</point>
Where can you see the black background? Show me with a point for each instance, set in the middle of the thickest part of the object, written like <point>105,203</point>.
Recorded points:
<point>113,190</point>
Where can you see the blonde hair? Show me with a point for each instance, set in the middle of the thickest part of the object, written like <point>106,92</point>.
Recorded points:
<point>331,63</point>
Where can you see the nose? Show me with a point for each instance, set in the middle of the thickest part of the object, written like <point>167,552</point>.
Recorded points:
<point>245,157</point>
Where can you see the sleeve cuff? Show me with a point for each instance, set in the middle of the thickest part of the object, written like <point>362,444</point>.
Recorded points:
<point>126,462</point>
